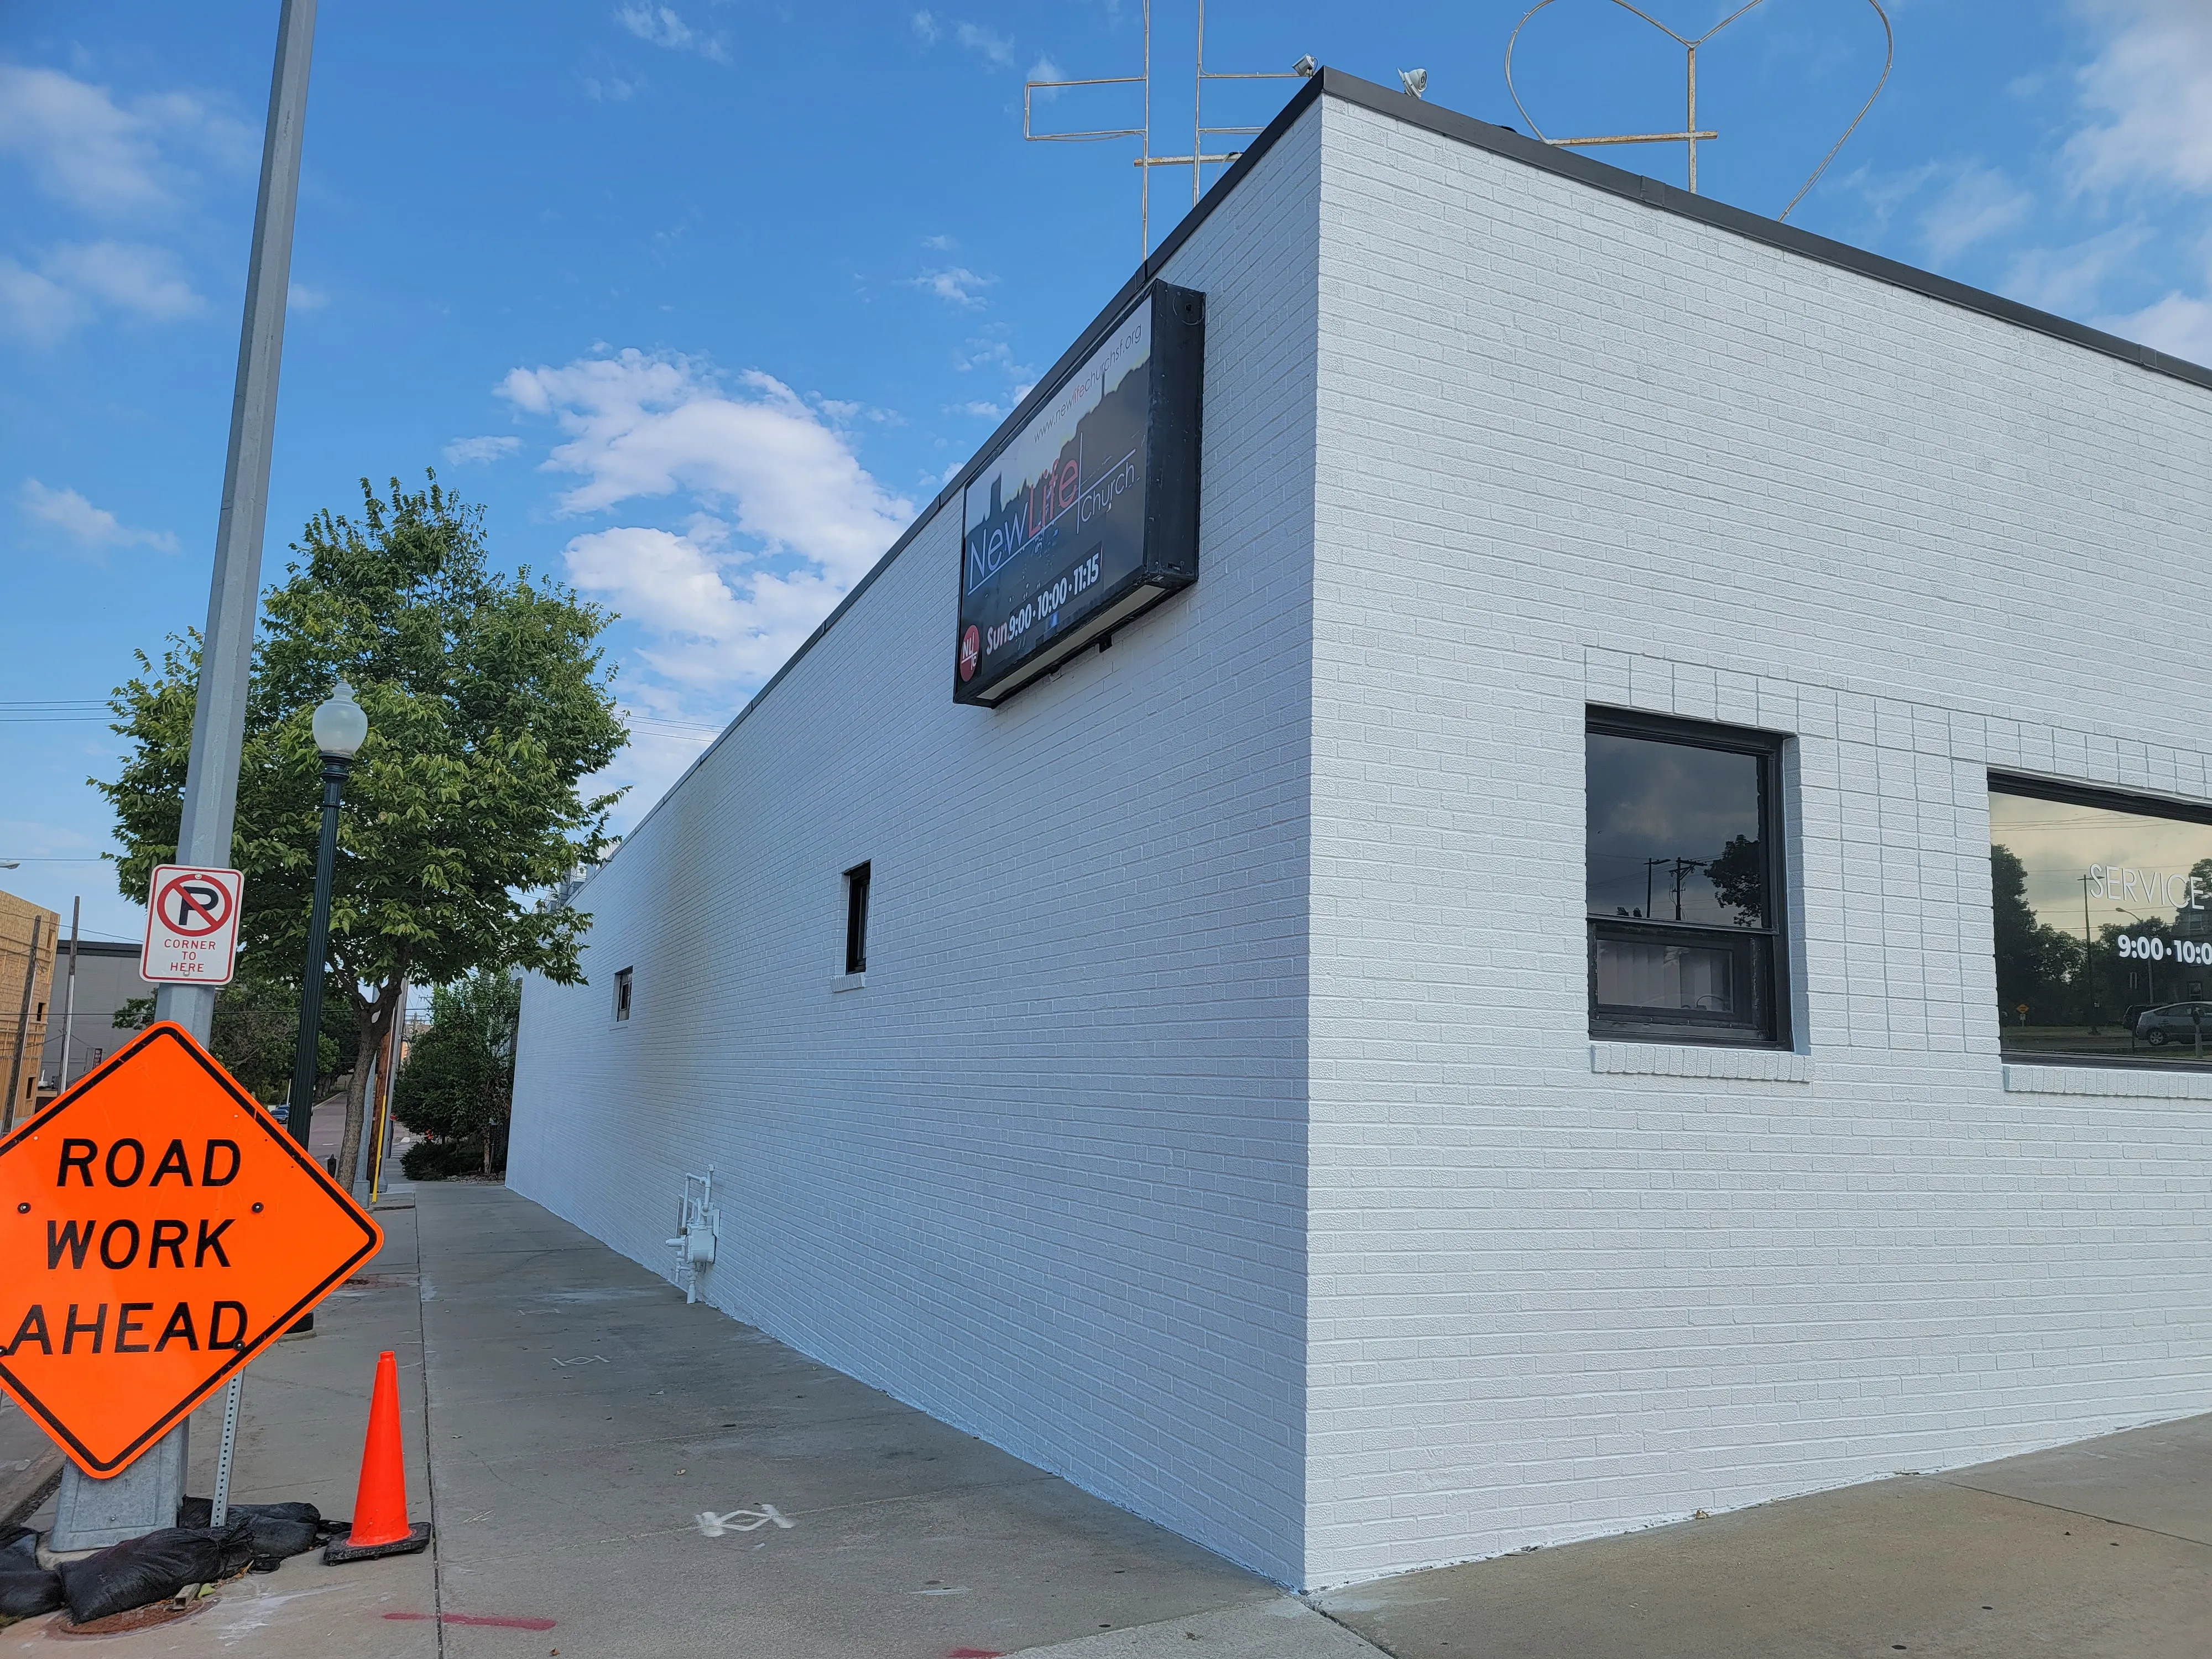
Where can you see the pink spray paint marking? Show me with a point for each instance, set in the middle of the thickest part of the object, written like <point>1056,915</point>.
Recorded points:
<point>478,1619</point>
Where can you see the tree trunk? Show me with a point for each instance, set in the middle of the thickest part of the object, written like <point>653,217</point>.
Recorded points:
<point>375,1018</point>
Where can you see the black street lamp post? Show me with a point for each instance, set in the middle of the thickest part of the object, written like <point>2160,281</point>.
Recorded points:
<point>340,728</point>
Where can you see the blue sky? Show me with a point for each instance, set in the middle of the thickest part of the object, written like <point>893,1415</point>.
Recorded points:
<point>704,299</point>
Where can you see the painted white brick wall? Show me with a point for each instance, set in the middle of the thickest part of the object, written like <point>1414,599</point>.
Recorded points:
<point>1043,1175</point>
<point>1571,450</point>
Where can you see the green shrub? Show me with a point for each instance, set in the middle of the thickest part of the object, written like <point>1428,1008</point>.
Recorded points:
<point>440,1160</point>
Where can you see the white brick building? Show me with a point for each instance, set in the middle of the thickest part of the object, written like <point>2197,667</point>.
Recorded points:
<point>1227,1117</point>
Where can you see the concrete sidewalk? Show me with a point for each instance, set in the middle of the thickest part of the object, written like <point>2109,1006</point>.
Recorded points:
<point>2101,1548</point>
<point>578,1421</point>
<point>613,1473</point>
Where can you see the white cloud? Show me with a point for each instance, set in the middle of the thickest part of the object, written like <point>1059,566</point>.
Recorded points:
<point>956,283</point>
<point>982,410</point>
<point>477,452</point>
<point>664,26</point>
<point>2068,280</point>
<point>129,276</point>
<point>782,520</point>
<point>2151,90</point>
<point>993,48</point>
<point>925,27</point>
<point>1045,70</point>
<point>612,90</point>
<point>939,244</point>
<point>38,309</point>
<point>1979,202</point>
<point>82,147</point>
<point>301,297</point>
<point>93,528</point>
<point>45,306</point>
<point>649,426</point>
<point>2177,323</point>
<point>715,619</point>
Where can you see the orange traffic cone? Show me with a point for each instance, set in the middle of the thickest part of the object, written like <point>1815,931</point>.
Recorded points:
<point>380,1508</point>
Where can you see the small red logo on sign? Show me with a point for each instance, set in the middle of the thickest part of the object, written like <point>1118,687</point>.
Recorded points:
<point>971,652</point>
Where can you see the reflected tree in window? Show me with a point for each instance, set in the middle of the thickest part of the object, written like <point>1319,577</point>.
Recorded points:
<point>1739,880</point>
<point>2038,966</point>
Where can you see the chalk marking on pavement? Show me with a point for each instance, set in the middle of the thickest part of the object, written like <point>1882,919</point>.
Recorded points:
<point>591,1359</point>
<point>957,1590</point>
<point>498,1622</point>
<point>712,1525</point>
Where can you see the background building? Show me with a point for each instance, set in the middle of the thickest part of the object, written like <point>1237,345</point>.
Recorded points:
<point>27,968</point>
<point>1477,1023</point>
<point>108,977</point>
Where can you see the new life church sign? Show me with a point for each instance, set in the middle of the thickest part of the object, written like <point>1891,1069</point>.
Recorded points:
<point>1582,956</point>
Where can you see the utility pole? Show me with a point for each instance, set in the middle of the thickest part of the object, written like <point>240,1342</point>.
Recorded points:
<point>23,1020</point>
<point>2088,960</point>
<point>69,1008</point>
<point>95,1513</point>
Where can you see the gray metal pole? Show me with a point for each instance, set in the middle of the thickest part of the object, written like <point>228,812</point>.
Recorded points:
<point>95,1513</point>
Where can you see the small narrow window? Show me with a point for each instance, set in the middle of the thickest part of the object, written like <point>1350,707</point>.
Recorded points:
<point>622,993</point>
<point>1684,899</point>
<point>856,919</point>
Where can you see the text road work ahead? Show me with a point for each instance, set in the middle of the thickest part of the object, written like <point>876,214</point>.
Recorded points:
<point>157,1229</point>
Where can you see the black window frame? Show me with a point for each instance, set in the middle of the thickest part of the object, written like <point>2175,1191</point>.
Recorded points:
<point>624,984</point>
<point>857,881</point>
<point>1761,954</point>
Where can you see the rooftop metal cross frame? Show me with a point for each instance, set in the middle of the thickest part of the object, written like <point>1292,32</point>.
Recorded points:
<point>1691,134</point>
<point>1198,159</point>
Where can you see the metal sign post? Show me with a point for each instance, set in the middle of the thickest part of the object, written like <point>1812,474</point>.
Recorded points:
<point>96,1512</point>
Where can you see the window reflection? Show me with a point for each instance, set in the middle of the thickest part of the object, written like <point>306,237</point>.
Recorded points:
<point>1681,917</point>
<point>2103,929</point>
<point>1674,833</point>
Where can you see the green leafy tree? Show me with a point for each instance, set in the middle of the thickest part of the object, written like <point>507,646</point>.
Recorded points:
<point>458,1085</point>
<point>257,1031</point>
<point>2037,964</point>
<point>487,707</point>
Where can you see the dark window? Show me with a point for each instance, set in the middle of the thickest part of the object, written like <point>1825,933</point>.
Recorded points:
<point>856,919</point>
<point>2103,925</point>
<point>622,993</point>
<point>1684,887</point>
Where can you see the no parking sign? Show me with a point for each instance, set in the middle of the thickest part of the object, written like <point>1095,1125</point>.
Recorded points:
<point>192,925</point>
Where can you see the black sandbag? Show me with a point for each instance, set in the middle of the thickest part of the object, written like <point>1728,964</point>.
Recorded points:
<point>17,1540</point>
<point>28,1591</point>
<point>139,1571</point>
<point>279,1529</point>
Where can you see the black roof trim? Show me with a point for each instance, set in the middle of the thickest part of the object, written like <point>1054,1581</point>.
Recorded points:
<point>1499,141</point>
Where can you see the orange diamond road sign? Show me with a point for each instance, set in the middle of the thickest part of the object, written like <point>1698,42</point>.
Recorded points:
<point>158,1229</point>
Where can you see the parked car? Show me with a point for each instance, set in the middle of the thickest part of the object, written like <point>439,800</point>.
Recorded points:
<point>2173,1022</point>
